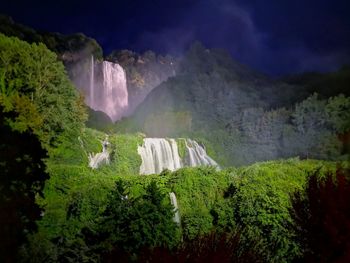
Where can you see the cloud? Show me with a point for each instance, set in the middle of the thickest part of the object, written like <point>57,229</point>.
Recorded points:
<point>169,40</point>
<point>232,26</point>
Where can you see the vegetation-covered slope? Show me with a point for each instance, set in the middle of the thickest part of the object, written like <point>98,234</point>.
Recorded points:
<point>254,198</point>
<point>326,84</point>
<point>244,115</point>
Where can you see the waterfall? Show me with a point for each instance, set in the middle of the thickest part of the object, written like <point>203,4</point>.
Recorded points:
<point>173,201</point>
<point>95,160</point>
<point>158,154</point>
<point>177,161</point>
<point>115,90</point>
<point>92,76</point>
<point>108,89</point>
<point>196,155</point>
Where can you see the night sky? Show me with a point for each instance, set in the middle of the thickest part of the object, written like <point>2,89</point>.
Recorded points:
<point>272,36</point>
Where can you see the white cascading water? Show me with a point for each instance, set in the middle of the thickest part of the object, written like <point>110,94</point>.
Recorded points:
<point>92,83</point>
<point>173,201</point>
<point>108,91</point>
<point>158,154</point>
<point>115,90</point>
<point>197,155</point>
<point>96,160</point>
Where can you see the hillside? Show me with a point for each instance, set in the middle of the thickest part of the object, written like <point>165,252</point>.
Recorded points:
<point>246,116</point>
<point>326,84</point>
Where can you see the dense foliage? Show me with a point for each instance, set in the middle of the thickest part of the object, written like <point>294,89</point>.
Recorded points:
<point>322,218</point>
<point>255,199</point>
<point>326,84</point>
<point>69,48</point>
<point>212,247</point>
<point>22,177</point>
<point>35,86</point>
<point>129,223</point>
<point>39,107</point>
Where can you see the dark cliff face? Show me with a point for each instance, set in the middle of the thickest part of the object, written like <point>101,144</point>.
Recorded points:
<point>144,72</point>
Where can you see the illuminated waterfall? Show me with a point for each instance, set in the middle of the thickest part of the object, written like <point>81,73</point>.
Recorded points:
<point>115,97</point>
<point>92,82</point>
<point>158,154</point>
<point>108,89</point>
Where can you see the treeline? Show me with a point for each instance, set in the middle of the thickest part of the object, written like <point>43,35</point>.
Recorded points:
<point>311,129</point>
<point>69,48</point>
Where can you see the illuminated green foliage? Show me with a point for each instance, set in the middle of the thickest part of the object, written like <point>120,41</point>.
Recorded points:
<point>35,85</point>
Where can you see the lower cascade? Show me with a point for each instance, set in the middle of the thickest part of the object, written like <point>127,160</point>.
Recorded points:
<point>95,160</point>
<point>158,154</point>
<point>173,201</point>
<point>197,155</point>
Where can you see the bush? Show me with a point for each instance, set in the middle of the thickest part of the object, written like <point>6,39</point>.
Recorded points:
<point>322,217</point>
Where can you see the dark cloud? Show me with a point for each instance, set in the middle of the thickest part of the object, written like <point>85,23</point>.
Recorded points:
<point>272,36</point>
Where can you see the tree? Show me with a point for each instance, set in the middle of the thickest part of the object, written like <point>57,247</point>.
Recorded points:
<point>313,123</point>
<point>310,115</point>
<point>322,218</point>
<point>338,111</point>
<point>212,247</point>
<point>22,177</point>
<point>129,224</point>
<point>32,77</point>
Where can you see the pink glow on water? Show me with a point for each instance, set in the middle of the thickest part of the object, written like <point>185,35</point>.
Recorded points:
<point>92,82</point>
<point>108,91</point>
<point>115,90</point>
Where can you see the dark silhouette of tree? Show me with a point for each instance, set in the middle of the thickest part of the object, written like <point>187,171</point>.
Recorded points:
<point>22,176</point>
<point>322,218</point>
<point>213,247</point>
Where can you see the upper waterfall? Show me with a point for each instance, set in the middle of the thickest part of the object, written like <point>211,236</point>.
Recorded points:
<point>158,154</point>
<point>108,89</point>
<point>115,90</point>
<point>92,82</point>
